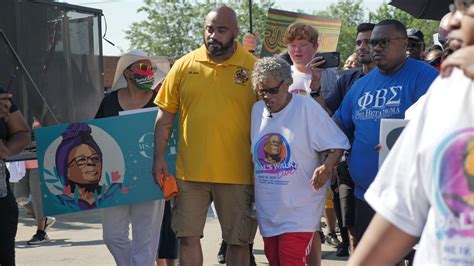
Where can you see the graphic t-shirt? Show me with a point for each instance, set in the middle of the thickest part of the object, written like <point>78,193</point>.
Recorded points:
<point>301,81</point>
<point>285,153</point>
<point>426,185</point>
<point>371,98</point>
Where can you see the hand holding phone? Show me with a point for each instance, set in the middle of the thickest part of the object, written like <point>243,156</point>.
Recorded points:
<point>332,59</point>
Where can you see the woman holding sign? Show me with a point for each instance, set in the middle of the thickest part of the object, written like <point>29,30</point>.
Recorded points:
<point>135,78</point>
<point>14,137</point>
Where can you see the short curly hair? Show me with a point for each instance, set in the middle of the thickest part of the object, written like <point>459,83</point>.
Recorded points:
<point>271,68</point>
<point>301,31</point>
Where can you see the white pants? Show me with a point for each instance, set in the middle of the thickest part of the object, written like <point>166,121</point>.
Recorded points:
<point>146,221</point>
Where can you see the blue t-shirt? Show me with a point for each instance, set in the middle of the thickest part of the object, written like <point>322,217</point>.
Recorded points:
<point>371,98</point>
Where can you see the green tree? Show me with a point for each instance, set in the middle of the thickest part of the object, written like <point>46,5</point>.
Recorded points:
<point>351,13</point>
<point>428,27</point>
<point>174,28</point>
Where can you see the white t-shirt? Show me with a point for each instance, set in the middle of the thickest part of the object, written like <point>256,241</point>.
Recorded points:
<point>285,152</point>
<point>426,185</point>
<point>301,81</point>
<point>412,110</point>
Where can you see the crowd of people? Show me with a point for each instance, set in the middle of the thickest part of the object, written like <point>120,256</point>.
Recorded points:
<point>270,140</point>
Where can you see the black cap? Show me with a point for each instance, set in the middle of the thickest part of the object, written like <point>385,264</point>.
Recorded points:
<point>415,34</point>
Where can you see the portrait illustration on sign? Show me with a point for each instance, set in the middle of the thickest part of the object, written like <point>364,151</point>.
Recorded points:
<point>78,173</point>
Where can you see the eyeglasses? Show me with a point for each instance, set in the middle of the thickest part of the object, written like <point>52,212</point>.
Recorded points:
<point>273,90</point>
<point>143,67</point>
<point>384,42</point>
<point>275,142</point>
<point>82,161</point>
<point>363,41</point>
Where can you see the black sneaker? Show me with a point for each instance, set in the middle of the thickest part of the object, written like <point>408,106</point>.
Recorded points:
<point>332,239</point>
<point>48,223</point>
<point>252,257</point>
<point>252,260</point>
<point>321,235</point>
<point>39,238</point>
<point>222,252</point>
<point>342,250</point>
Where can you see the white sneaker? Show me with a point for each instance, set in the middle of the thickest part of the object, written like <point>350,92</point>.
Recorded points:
<point>48,223</point>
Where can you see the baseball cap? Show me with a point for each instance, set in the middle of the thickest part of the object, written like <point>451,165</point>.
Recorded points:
<point>415,34</point>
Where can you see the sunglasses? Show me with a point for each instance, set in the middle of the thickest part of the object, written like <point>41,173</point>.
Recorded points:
<point>384,42</point>
<point>273,90</point>
<point>275,142</point>
<point>143,67</point>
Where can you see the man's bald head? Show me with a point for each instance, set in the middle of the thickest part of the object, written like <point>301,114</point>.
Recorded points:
<point>225,12</point>
<point>220,32</point>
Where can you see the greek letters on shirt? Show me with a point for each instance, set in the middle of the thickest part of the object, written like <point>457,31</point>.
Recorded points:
<point>380,103</point>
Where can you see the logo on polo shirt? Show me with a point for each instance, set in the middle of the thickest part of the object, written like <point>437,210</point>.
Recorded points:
<point>241,75</point>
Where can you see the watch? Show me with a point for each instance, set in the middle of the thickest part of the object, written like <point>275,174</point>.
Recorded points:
<point>316,93</point>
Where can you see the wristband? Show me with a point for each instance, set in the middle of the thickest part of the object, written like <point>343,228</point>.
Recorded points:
<point>315,93</point>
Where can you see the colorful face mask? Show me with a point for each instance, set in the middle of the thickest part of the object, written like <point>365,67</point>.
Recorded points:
<point>143,79</point>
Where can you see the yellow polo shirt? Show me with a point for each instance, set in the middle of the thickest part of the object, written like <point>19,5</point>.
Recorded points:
<point>214,102</point>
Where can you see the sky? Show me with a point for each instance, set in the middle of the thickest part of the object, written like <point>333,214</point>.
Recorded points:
<point>120,14</point>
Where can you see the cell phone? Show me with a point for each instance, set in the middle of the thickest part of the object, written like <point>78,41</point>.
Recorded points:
<point>333,59</point>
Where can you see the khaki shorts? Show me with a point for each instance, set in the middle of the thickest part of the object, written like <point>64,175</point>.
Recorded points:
<point>233,204</point>
<point>329,203</point>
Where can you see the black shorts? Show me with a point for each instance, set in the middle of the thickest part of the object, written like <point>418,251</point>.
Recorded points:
<point>344,174</point>
<point>347,203</point>
<point>346,195</point>
<point>168,247</point>
<point>363,215</point>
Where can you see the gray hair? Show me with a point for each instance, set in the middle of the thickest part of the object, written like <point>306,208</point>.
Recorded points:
<point>269,68</point>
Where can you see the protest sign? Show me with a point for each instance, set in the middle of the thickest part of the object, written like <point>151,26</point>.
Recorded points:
<point>278,21</point>
<point>390,130</point>
<point>99,163</point>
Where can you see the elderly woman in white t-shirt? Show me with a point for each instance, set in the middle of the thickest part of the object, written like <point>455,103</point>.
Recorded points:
<point>295,146</point>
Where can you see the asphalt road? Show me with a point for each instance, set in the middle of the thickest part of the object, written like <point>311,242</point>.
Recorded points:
<point>76,239</point>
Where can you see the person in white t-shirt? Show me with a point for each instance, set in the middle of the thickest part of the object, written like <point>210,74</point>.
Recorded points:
<point>309,78</point>
<point>295,146</point>
<point>425,188</point>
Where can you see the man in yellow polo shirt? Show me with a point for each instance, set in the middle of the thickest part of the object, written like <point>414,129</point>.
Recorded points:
<point>210,90</point>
